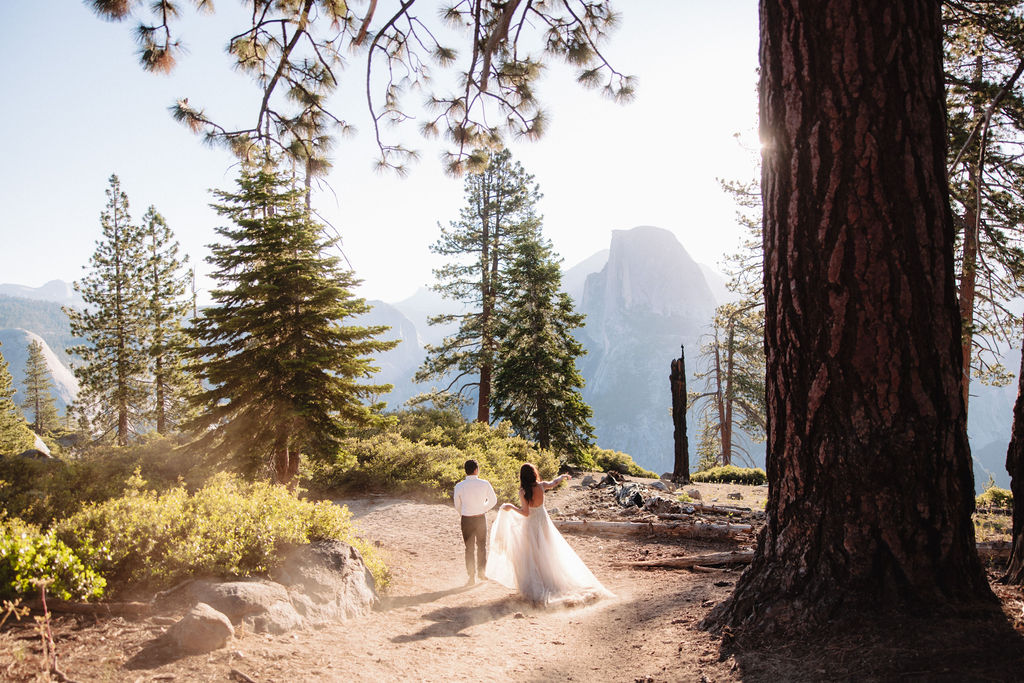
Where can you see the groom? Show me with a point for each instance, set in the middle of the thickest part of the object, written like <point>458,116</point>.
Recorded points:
<point>473,498</point>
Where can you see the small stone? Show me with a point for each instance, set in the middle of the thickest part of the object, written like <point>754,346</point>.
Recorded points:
<point>693,493</point>
<point>735,495</point>
<point>518,615</point>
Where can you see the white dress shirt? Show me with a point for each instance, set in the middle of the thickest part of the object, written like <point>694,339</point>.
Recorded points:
<point>474,496</point>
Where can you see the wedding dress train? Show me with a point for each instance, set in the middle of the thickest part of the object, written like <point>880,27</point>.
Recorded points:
<point>529,554</point>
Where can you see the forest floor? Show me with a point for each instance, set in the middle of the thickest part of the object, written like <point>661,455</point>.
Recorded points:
<point>431,627</point>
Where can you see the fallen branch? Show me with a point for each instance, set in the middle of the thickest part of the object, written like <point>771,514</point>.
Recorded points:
<point>690,530</point>
<point>113,609</point>
<point>695,561</point>
<point>995,550</point>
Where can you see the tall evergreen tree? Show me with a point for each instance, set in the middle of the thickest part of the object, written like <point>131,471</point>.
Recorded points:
<point>536,383</point>
<point>39,399</point>
<point>112,374</point>
<point>499,208</point>
<point>284,371</point>
<point>165,282</point>
<point>15,437</point>
<point>984,70</point>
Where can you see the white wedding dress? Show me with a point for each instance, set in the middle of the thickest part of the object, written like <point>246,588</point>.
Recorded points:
<point>529,555</point>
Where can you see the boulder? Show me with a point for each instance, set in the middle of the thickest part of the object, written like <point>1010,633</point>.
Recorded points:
<point>333,576</point>
<point>588,481</point>
<point>202,629</point>
<point>693,493</point>
<point>734,495</point>
<point>317,583</point>
<point>240,599</point>
<point>661,486</point>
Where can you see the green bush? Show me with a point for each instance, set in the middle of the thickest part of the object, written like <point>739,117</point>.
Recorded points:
<point>28,555</point>
<point>431,466</point>
<point>730,474</point>
<point>616,461</point>
<point>995,498</point>
<point>227,528</point>
<point>42,491</point>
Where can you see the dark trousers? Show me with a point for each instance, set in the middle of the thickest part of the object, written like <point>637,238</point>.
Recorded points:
<point>474,533</point>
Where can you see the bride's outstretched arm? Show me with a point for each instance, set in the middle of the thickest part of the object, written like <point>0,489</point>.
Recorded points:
<point>555,482</point>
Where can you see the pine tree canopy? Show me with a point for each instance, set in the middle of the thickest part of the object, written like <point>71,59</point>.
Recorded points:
<point>15,436</point>
<point>500,208</point>
<point>295,52</point>
<point>39,401</point>
<point>165,283</point>
<point>285,372</point>
<point>536,383</point>
<point>113,368</point>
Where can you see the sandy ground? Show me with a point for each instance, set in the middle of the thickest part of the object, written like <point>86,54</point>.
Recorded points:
<point>431,627</point>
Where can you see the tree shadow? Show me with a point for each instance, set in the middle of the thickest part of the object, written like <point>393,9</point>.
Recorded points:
<point>155,653</point>
<point>391,602</point>
<point>975,645</point>
<point>449,622</point>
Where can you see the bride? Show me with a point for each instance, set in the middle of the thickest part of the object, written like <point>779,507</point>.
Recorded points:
<point>527,552</point>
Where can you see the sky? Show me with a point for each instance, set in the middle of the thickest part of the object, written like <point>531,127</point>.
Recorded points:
<point>79,108</point>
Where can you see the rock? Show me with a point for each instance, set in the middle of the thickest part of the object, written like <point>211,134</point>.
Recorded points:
<point>661,486</point>
<point>588,481</point>
<point>554,512</point>
<point>694,494</point>
<point>203,629</point>
<point>240,599</point>
<point>608,480</point>
<point>735,495</point>
<point>629,495</point>
<point>332,574</point>
<point>667,476</point>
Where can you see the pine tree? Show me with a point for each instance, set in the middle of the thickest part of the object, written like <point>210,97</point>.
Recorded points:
<point>984,64</point>
<point>112,374</point>
<point>15,437</point>
<point>165,284</point>
<point>39,399</point>
<point>499,208</point>
<point>536,383</point>
<point>283,368</point>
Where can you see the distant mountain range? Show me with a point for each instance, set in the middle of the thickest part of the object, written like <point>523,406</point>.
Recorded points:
<point>644,297</point>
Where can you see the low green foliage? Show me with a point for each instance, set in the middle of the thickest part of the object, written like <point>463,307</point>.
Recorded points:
<point>227,528</point>
<point>28,555</point>
<point>684,497</point>
<point>730,474</point>
<point>432,464</point>
<point>606,460</point>
<point>995,497</point>
<point>43,491</point>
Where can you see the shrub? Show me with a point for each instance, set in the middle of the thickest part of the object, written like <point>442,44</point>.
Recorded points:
<point>617,461</point>
<point>42,491</point>
<point>28,555</point>
<point>227,528</point>
<point>391,462</point>
<point>995,498</point>
<point>730,474</point>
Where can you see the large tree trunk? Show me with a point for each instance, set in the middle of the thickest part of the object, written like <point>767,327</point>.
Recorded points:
<point>1015,466</point>
<point>677,381</point>
<point>870,484</point>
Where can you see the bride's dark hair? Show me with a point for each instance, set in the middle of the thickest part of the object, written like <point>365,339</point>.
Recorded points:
<point>528,478</point>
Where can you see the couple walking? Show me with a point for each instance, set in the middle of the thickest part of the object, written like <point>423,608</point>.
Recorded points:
<point>527,553</point>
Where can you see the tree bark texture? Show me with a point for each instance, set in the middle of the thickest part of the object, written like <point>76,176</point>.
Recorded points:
<point>1015,466</point>
<point>870,484</point>
<point>677,381</point>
